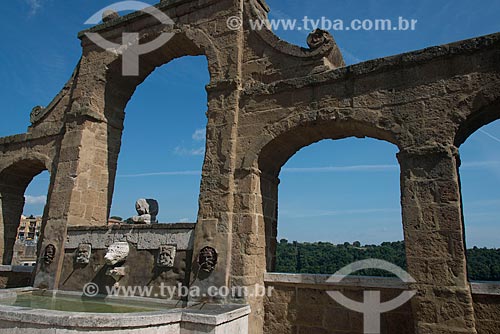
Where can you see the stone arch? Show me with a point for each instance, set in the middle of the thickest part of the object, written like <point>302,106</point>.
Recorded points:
<point>112,91</point>
<point>286,138</point>
<point>187,42</point>
<point>14,179</point>
<point>484,109</point>
<point>40,158</point>
<point>276,152</point>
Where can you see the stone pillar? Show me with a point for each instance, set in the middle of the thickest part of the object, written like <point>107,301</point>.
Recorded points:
<point>434,235</point>
<point>82,184</point>
<point>269,199</point>
<point>215,216</point>
<point>250,240</point>
<point>82,189</point>
<point>253,238</point>
<point>90,198</point>
<point>11,209</point>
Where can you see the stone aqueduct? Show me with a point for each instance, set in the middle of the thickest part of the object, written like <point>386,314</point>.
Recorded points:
<point>266,100</point>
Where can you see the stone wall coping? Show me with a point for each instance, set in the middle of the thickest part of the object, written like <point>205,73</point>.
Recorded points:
<point>87,320</point>
<point>25,137</point>
<point>485,288</point>
<point>17,269</point>
<point>464,47</point>
<point>163,5</point>
<point>121,227</point>
<point>214,317</point>
<point>477,288</point>
<point>200,314</point>
<point>322,280</point>
<point>16,138</point>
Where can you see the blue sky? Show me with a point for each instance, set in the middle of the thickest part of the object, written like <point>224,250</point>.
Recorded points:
<point>335,191</point>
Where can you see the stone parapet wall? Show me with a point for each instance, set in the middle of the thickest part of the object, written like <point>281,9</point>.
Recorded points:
<point>15,276</point>
<point>486,297</point>
<point>300,304</point>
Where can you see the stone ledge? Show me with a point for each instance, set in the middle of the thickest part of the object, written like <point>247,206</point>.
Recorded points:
<point>16,269</point>
<point>477,288</point>
<point>120,227</point>
<point>322,280</point>
<point>215,317</point>
<point>485,288</point>
<point>78,320</point>
<point>127,18</point>
<point>25,138</point>
<point>18,138</point>
<point>163,5</point>
<point>460,48</point>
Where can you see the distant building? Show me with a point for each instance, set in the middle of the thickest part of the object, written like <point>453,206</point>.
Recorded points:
<point>26,241</point>
<point>28,234</point>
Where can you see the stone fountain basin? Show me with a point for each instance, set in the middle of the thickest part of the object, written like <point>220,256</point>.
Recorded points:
<point>190,319</point>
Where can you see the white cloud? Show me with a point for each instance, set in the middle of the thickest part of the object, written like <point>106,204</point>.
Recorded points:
<point>320,213</point>
<point>199,134</point>
<point>175,173</point>
<point>34,200</point>
<point>280,15</point>
<point>480,164</point>
<point>354,168</point>
<point>185,151</point>
<point>349,57</point>
<point>487,202</point>
<point>490,135</point>
<point>34,5</point>
<point>377,168</point>
<point>184,220</point>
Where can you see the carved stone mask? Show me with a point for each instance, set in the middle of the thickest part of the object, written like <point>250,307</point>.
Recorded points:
<point>166,256</point>
<point>36,114</point>
<point>117,253</point>
<point>207,259</point>
<point>83,254</point>
<point>49,254</point>
<point>318,38</point>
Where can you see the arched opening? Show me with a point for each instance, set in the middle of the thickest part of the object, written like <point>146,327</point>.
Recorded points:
<point>22,189</point>
<point>342,198</point>
<point>339,203</point>
<point>276,154</point>
<point>163,142</point>
<point>28,233</point>
<point>480,181</point>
